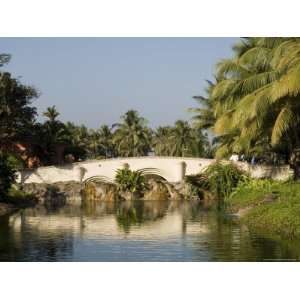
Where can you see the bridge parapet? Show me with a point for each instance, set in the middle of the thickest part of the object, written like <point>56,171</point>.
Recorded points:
<point>173,169</point>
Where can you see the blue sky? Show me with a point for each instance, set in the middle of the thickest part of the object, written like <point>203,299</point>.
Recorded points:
<point>95,80</point>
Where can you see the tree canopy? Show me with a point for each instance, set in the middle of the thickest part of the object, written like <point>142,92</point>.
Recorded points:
<point>16,112</point>
<point>253,105</point>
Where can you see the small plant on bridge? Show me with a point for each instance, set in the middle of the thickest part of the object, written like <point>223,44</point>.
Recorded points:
<point>135,181</point>
<point>130,181</point>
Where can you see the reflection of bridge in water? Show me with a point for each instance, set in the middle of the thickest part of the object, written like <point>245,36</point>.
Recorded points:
<point>140,220</point>
<point>173,169</point>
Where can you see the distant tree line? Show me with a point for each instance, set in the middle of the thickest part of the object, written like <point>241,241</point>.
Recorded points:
<point>29,143</point>
<point>129,138</point>
<point>251,108</point>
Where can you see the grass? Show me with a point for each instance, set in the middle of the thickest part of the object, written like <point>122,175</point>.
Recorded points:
<point>274,206</point>
<point>250,192</point>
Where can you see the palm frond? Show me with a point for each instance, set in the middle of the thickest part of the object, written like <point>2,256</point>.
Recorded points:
<point>283,122</point>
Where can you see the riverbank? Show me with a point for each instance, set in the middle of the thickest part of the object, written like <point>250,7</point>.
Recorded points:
<point>16,200</point>
<point>269,206</point>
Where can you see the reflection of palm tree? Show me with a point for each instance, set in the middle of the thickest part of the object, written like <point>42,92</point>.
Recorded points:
<point>129,214</point>
<point>138,212</point>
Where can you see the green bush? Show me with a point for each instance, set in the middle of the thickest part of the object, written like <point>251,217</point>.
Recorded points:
<point>130,181</point>
<point>223,178</point>
<point>7,176</point>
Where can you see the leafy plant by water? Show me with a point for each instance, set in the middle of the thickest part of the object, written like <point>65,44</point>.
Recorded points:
<point>219,180</point>
<point>223,178</point>
<point>130,181</point>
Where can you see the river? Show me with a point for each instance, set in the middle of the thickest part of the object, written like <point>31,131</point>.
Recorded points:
<point>135,231</point>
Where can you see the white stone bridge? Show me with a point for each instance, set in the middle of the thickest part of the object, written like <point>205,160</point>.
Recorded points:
<point>173,169</point>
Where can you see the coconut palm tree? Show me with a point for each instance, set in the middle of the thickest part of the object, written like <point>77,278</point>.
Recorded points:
<point>161,141</point>
<point>51,113</point>
<point>132,137</point>
<point>54,129</point>
<point>78,141</point>
<point>93,145</point>
<point>181,139</point>
<point>54,135</point>
<point>255,100</point>
<point>204,117</point>
<point>106,141</point>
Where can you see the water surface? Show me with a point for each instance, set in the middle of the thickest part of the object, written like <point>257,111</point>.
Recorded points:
<point>134,231</point>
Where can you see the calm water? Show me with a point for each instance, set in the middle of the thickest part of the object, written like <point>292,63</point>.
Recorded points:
<point>134,231</point>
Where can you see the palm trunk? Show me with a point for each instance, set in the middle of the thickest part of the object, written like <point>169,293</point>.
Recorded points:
<point>295,157</point>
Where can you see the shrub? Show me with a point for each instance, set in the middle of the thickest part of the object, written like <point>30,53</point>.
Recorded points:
<point>223,178</point>
<point>7,176</point>
<point>130,181</point>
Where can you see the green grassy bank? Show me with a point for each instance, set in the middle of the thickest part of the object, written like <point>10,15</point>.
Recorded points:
<point>267,205</point>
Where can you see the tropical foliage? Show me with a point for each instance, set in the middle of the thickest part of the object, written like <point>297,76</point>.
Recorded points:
<point>253,105</point>
<point>130,181</point>
<point>7,176</point>
<point>16,112</point>
<point>132,137</point>
<point>223,178</point>
<point>220,178</point>
<point>180,140</point>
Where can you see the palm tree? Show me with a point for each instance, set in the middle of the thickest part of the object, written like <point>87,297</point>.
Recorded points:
<point>181,139</point>
<point>255,100</point>
<point>106,141</point>
<point>51,113</point>
<point>78,141</point>
<point>132,137</point>
<point>161,141</point>
<point>204,117</point>
<point>54,134</point>
<point>94,143</point>
<point>55,130</point>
